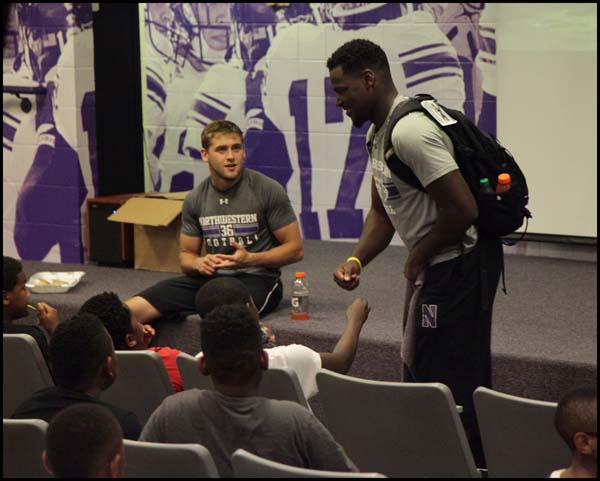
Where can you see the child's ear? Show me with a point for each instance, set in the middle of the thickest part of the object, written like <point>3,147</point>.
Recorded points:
<point>117,465</point>
<point>46,463</point>
<point>582,443</point>
<point>109,367</point>
<point>202,365</point>
<point>264,360</point>
<point>130,341</point>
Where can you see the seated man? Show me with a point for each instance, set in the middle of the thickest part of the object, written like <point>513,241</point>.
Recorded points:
<point>237,222</point>
<point>231,416</point>
<point>84,441</point>
<point>15,298</point>
<point>83,363</point>
<point>576,421</point>
<point>303,360</point>
<point>128,334</point>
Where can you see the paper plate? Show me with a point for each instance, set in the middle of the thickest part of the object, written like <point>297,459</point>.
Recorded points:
<point>53,282</point>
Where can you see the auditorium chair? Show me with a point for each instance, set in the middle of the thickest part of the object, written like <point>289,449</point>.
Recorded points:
<point>24,370</point>
<point>279,383</point>
<point>398,429</point>
<point>518,435</point>
<point>141,385</point>
<point>23,441</point>
<point>161,460</point>
<point>248,465</point>
<point>190,373</point>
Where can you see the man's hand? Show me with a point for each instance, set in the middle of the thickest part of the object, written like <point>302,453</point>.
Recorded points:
<point>149,333</point>
<point>47,317</point>
<point>208,264</point>
<point>239,258</point>
<point>413,266</point>
<point>347,275</point>
<point>358,312</point>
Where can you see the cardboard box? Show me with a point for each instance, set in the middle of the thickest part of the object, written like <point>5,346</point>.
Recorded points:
<point>157,222</point>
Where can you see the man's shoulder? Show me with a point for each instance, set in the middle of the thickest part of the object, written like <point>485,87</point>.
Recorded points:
<point>257,179</point>
<point>198,191</point>
<point>30,329</point>
<point>185,397</point>
<point>43,395</point>
<point>282,409</point>
<point>413,128</point>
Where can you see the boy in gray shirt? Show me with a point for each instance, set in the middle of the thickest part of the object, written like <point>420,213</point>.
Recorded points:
<point>232,417</point>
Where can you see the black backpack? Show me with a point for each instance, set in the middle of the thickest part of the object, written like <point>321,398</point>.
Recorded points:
<point>478,155</point>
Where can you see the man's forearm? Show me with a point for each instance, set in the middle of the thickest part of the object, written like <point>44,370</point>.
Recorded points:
<point>279,256</point>
<point>188,262</point>
<point>376,236</point>
<point>449,228</point>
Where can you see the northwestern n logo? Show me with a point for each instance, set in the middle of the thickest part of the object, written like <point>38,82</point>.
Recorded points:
<point>429,312</point>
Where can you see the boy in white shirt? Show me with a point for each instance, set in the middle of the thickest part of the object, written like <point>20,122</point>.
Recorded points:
<point>303,360</point>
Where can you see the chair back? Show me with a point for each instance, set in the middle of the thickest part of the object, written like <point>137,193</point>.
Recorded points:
<point>278,383</point>
<point>190,373</point>
<point>161,460</point>
<point>248,465</point>
<point>398,429</point>
<point>23,443</point>
<point>24,370</point>
<point>282,383</point>
<point>141,385</point>
<point>518,435</point>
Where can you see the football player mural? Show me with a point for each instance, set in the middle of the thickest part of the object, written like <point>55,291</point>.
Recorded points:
<point>268,74</point>
<point>49,154</point>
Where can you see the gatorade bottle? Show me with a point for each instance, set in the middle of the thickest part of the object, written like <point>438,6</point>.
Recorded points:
<point>485,187</point>
<point>503,183</point>
<point>300,298</point>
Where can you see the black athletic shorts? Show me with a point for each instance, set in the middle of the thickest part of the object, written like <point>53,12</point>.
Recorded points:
<point>453,322</point>
<point>177,294</point>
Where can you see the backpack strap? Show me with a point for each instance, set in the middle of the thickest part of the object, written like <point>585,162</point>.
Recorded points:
<point>392,160</point>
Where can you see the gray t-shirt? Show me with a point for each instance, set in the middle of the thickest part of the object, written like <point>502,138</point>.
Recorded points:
<point>281,431</point>
<point>428,151</point>
<point>248,213</point>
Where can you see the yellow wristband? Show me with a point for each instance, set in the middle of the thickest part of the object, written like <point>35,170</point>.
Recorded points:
<point>356,259</point>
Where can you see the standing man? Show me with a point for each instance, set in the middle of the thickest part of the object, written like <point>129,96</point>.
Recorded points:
<point>237,222</point>
<point>452,273</point>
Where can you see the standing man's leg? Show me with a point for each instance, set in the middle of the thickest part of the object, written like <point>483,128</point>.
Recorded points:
<point>452,330</point>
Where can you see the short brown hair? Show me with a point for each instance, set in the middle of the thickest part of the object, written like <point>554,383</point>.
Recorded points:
<point>219,127</point>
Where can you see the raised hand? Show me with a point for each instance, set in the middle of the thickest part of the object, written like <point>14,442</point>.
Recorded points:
<point>347,275</point>
<point>47,317</point>
<point>358,312</point>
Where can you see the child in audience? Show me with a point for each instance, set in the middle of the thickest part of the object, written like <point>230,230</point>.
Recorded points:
<point>15,300</point>
<point>303,360</point>
<point>576,422</point>
<point>129,334</point>
<point>84,441</point>
<point>231,416</point>
<point>82,360</point>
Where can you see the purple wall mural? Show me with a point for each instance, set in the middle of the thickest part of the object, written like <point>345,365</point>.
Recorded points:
<point>264,69</point>
<point>49,153</point>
